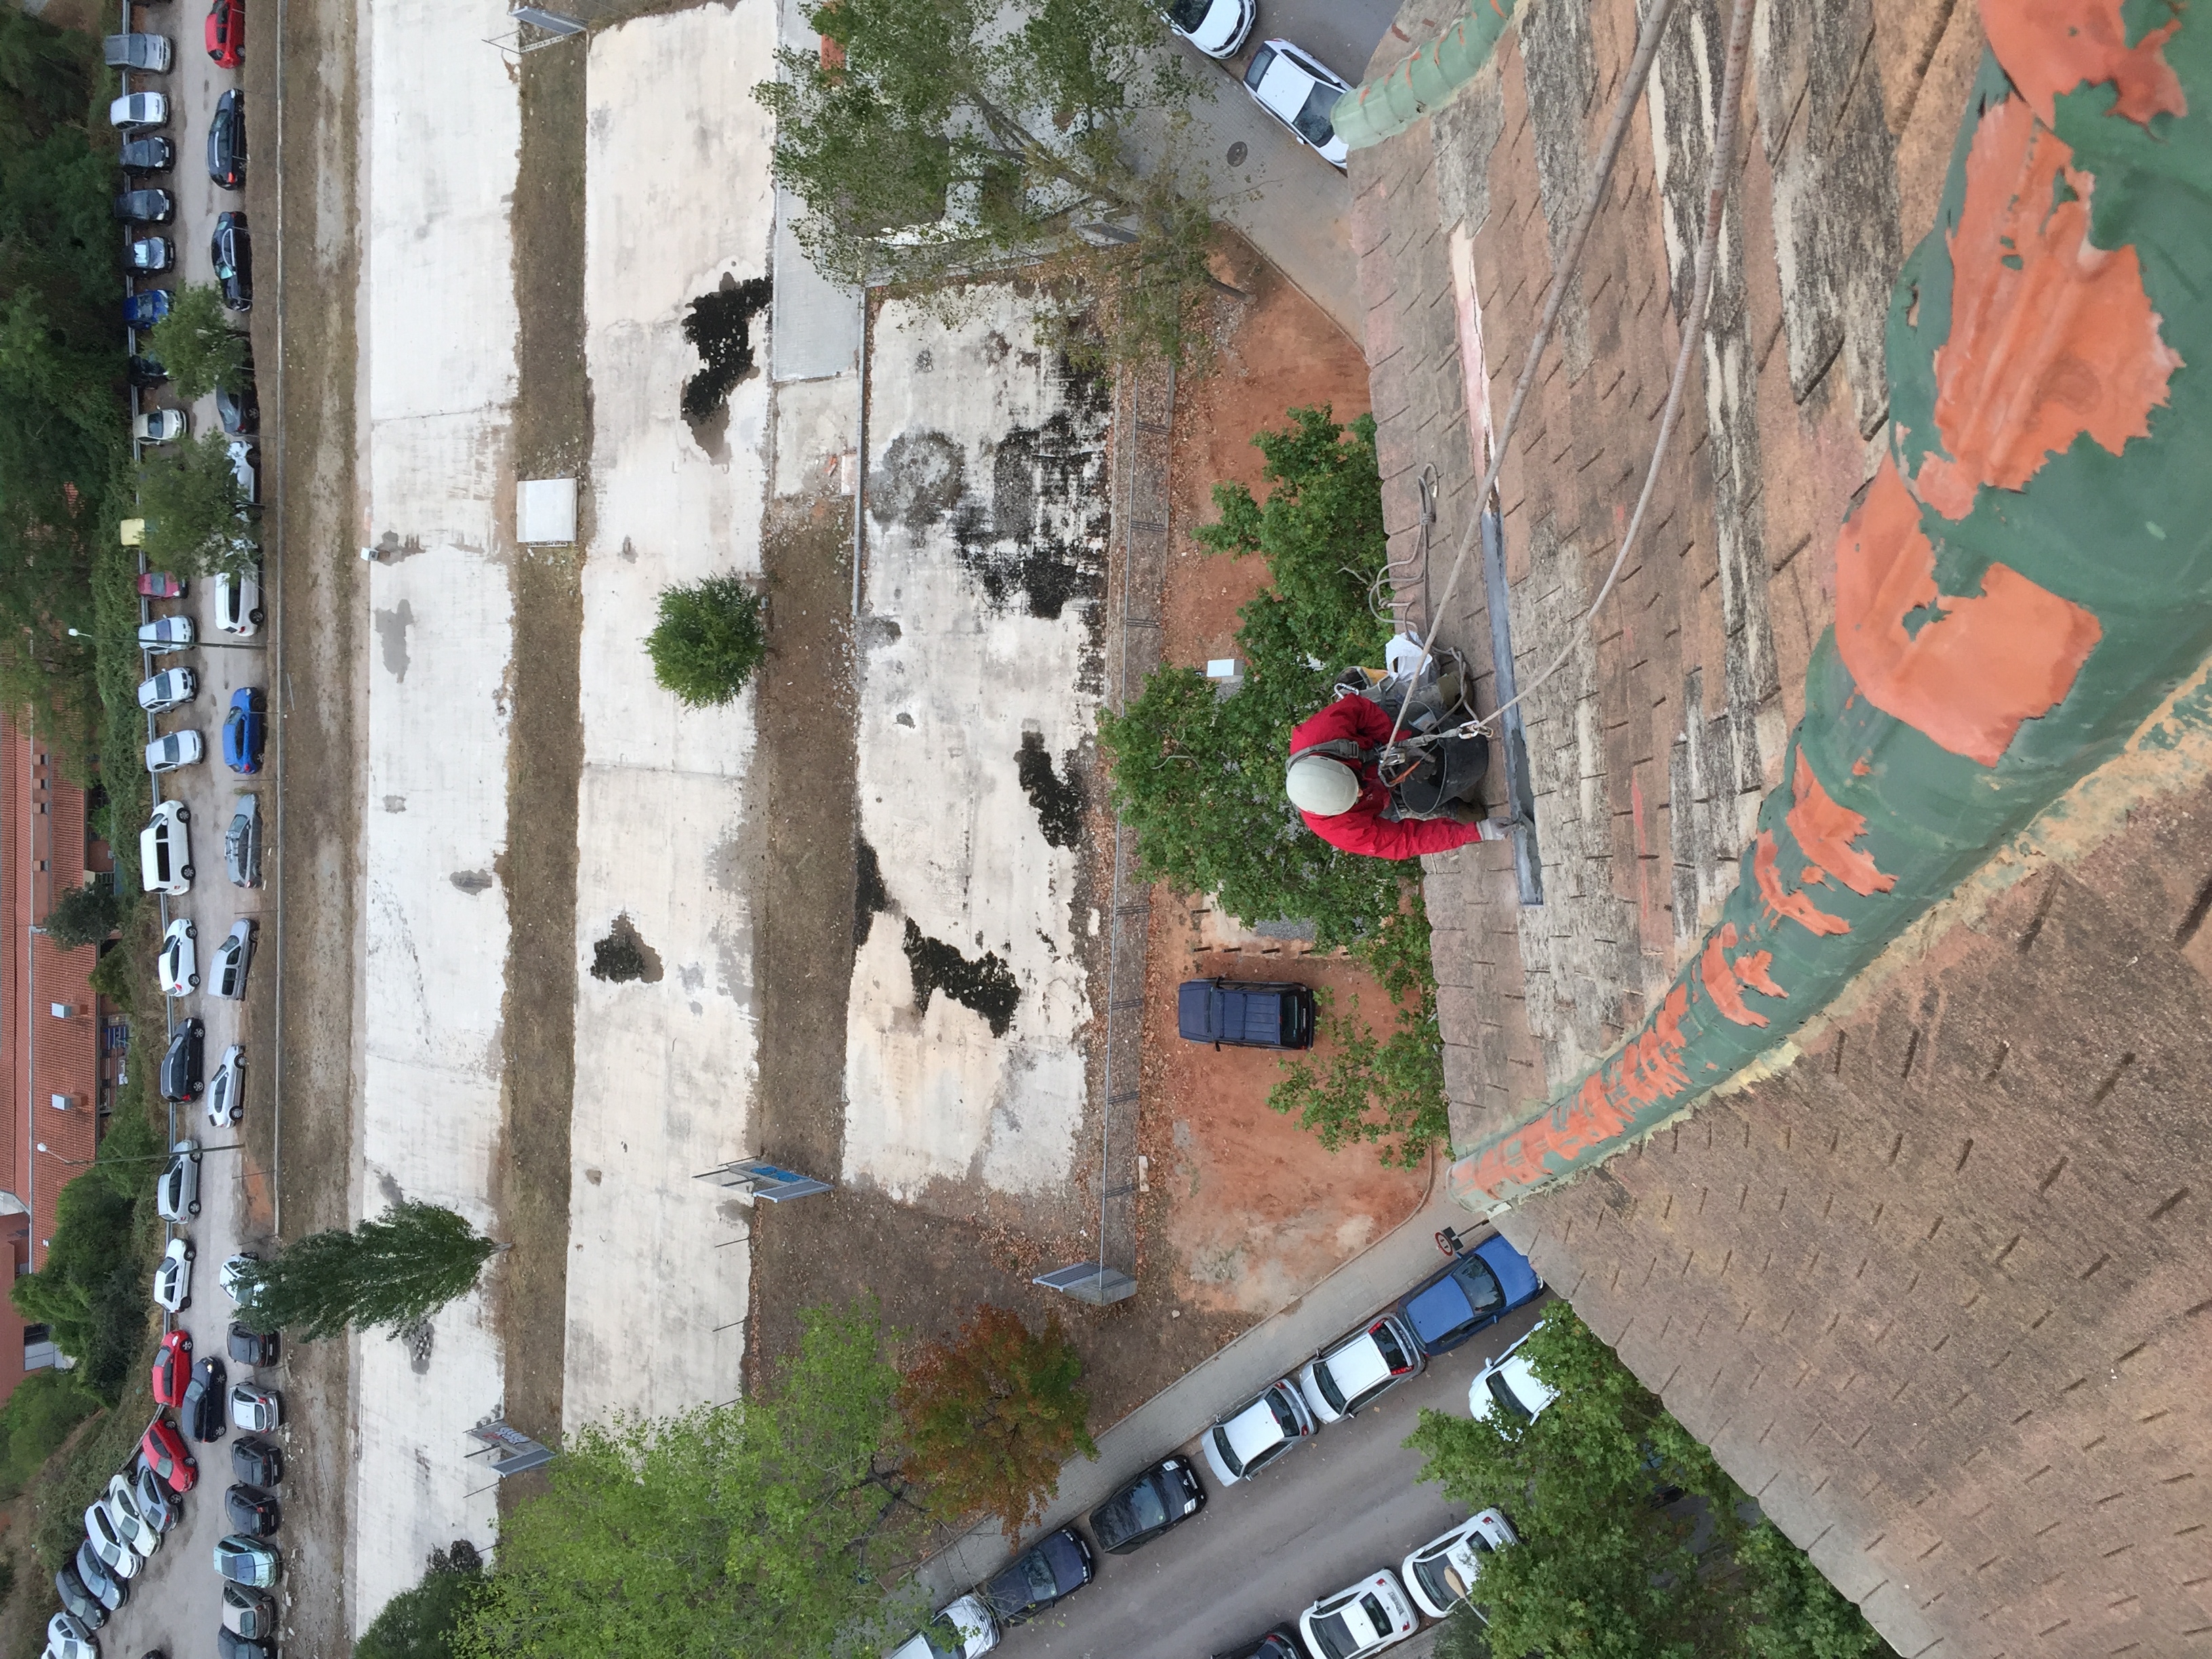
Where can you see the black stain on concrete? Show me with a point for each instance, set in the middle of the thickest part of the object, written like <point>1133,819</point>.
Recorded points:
<point>1040,540</point>
<point>987,987</point>
<point>622,956</point>
<point>720,327</point>
<point>870,898</point>
<point>1057,796</point>
<point>923,475</point>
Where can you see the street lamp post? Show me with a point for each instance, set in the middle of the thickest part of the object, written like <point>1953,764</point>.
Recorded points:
<point>212,644</point>
<point>136,1158</point>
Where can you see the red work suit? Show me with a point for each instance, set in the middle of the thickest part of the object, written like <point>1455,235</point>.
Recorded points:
<point>1363,829</point>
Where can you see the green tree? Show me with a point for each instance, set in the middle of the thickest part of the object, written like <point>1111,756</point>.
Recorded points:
<point>195,514</point>
<point>1198,778</point>
<point>762,1529</point>
<point>710,638</point>
<point>931,139</point>
<point>992,1415</point>
<point>83,915</point>
<point>423,1623</point>
<point>392,1270</point>
<point>1603,1569</point>
<point>197,343</point>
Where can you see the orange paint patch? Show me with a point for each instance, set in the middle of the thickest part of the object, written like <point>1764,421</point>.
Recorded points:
<point>2051,46</point>
<point>2050,337</point>
<point>1980,665</point>
<point>1824,832</point>
<point>1752,968</point>
<point>1720,978</point>
<point>1794,906</point>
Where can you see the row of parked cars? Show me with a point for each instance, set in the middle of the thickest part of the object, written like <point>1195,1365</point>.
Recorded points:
<point>124,1527</point>
<point>1474,1290</point>
<point>1284,79</point>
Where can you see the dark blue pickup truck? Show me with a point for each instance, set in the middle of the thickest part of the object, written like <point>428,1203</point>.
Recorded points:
<point>1245,1014</point>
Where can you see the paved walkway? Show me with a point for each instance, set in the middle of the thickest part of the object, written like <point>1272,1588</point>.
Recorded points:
<point>1175,1416</point>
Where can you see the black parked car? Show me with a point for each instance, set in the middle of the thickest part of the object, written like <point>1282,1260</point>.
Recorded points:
<point>232,252</point>
<point>1245,1013</point>
<point>1056,1566</point>
<point>227,142</point>
<point>181,1077</point>
<point>203,1410</point>
<point>255,1460</point>
<point>239,410</point>
<point>83,1605</point>
<point>253,1348</point>
<point>148,155</point>
<point>227,1646</point>
<point>145,207</point>
<point>146,372</point>
<point>1160,1497</point>
<point>254,1513</point>
<point>1280,1642</point>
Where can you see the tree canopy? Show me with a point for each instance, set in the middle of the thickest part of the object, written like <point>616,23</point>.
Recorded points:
<point>195,512</point>
<point>392,1270</point>
<point>197,345</point>
<point>761,1529</point>
<point>1634,1543</point>
<point>991,1416</point>
<point>422,1623</point>
<point>709,640</point>
<point>82,915</point>
<point>932,139</point>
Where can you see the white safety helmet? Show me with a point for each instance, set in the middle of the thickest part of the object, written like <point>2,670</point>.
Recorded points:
<point>1321,786</point>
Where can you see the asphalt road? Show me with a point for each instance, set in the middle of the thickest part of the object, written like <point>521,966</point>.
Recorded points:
<point>1291,205</point>
<point>1260,1553</point>
<point>176,1600</point>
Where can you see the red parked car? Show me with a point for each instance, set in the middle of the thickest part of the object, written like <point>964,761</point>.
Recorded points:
<point>173,1368</point>
<point>163,1448</point>
<point>161,585</point>
<point>226,32</point>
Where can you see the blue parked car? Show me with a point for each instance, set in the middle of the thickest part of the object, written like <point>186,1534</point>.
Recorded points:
<point>1244,1013</point>
<point>243,731</point>
<point>1478,1289</point>
<point>144,309</point>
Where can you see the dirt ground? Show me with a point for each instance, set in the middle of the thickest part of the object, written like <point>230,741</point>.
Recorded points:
<point>310,425</point>
<point>1253,1212</point>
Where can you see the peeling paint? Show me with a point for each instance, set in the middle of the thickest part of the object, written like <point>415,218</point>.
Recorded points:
<point>2052,47</point>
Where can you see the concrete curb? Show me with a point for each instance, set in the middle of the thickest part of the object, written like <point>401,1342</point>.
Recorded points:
<point>1176,1415</point>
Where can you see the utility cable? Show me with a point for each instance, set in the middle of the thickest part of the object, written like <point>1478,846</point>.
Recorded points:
<point>1632,91</point>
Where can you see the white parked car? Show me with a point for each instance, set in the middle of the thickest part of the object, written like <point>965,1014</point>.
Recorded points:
<point>1216,28</point>
<point>166,754</point>
<point>173,687</point>
<point>166,633</point>
<point>232,958</point>
<point>1510,1386</point>
<point>1360,1369</point>
<point>226,1095</point>
<point>962,1631</point>
<point>99,1531</point>
<point>178,967</point>
<point>165,850</point>
<point>136,110</point>
<point>1257,1433</point>
<point>238,602</point>
<point>134,1527</point>
<point>230,1280</point>
<point>1372,1615</point>
<point>1441,1574</point>
<point>68,1638</point>
<point>173,1279</point>
<point>256,1409</point>
<point>1301,92</point>
<point>159,425</point>
<point>246,469</point>
<point>177,1195</point>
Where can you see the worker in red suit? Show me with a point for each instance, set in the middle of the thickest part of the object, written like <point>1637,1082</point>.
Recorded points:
<point>1335,785</point>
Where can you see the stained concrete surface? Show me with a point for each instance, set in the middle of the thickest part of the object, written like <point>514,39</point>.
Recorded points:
<point>437,383</point>
<point>986,525</point>
<point>667,815</point>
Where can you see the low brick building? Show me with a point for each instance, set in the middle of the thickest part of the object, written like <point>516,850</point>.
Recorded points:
<point>1931,1279</point>
<point>61,1048</point>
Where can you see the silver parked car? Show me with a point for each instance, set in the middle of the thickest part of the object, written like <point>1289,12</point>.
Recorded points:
<point>241,847</point>
<point>226,1095</point>
<point>173,687</point>
<point>255,1408</point>
<point>166,633</point>
<point>232,958</point>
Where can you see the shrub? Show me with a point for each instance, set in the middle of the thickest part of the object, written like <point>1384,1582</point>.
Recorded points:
<point>710,639</point>
<point>111,977</point>
<point>420,1623</point>
<point>33,1424</point>
<point>83,915</point>
<point>993,1414</point>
